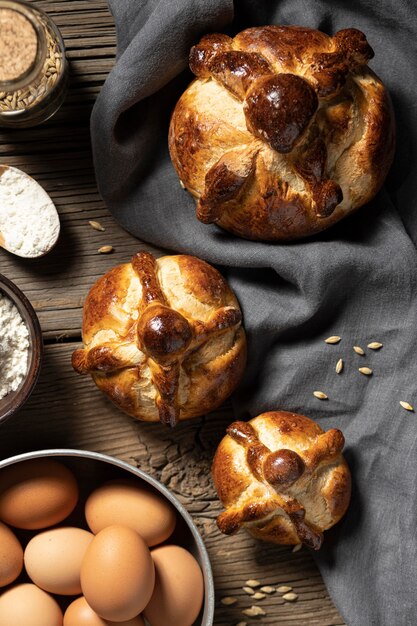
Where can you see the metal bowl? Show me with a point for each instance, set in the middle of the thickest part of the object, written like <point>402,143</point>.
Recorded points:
<point>93,468</point>
<point>15,399</point>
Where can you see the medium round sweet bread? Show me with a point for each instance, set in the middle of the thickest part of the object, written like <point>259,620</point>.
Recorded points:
<point>282,478</point>
<point>163,338</point>
<point>284,132</point>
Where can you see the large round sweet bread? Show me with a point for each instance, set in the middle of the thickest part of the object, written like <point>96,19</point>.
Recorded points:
<point>163,337</point>
<point>284,132</point>
<point>282,478</point>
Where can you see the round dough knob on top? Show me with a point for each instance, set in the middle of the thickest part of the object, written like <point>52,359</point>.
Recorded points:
<point>282,478</point>
<point>163,338</point>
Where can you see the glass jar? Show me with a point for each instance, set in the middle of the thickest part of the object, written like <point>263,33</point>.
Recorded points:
<point>33,65</point>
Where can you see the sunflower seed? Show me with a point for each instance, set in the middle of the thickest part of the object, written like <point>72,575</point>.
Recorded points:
<point>320,395</point>
<point>359,350</point>
<point>258,596</point>
<point>375,345</point>
<point>290,597</point>
<point>248,590</point>
<point>96,226</point>
<point>406,406</point>
<point>298,547</point>
<point>105,249</point>
<point>333,339</point>
<point>268,589</point>
<point>228,601</point>
<point>366,371</point>
<point>253,583</point>
<point>284,589</point>
<point>339,366</point>
<point>254,611</point>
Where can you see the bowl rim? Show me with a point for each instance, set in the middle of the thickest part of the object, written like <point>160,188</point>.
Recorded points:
<point>23,392</point>
<point>209,591</point>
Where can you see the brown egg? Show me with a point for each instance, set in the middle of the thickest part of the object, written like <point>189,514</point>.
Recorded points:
<point>26,605</point>
<point>117,574</point>
<point>179,589</point>
<point>79,613</point>
<point>36,494</point>
<point>11,556</point>
<point>130,503</point>
<point>53,559</point>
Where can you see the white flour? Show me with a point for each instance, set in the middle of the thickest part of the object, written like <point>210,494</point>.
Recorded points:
<point>14,347</point>
<point>29,222</point>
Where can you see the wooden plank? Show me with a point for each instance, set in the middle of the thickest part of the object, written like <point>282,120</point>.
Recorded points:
<point>66,410</point>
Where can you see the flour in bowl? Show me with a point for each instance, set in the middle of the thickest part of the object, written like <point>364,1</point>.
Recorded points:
<point>29,222</point>
<point>14,347</point>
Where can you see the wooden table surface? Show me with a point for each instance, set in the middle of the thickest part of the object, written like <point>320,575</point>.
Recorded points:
<point>66,410</point>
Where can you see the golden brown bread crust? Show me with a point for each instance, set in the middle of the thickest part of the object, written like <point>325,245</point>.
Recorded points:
<point>163,338</point>
<point>284,132</point>
<point>282,478</point>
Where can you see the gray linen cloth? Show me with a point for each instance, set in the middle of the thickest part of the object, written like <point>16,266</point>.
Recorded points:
<point>357,280</point>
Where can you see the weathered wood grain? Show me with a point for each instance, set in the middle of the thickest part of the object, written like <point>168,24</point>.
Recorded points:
<point>66,410</point>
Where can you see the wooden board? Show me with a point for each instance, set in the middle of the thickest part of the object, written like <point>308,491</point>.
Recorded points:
<point>66,410</point>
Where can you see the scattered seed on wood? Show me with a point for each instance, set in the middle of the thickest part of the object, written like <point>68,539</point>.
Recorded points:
<point>320,395</point>
<point>366,371</point>
<point>253,583</point>
<point>406,406</point>
<point>268,589</point>
<point>96,226</point>
<point>258,596</point>
<point>375,345</point>
<point>228,601</point>
<point>254,611</point>
<point>339,366</point>
<point>248,590</point>
<point>290,597</point>
<point>297,547</point>
<point>284,589</point>
<point>359,350</point>
<point>105,249</point>
<point>333,339</point>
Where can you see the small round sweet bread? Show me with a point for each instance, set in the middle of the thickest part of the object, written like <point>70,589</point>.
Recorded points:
<point>282,478</point>
<point>284,132</point>
<point>163,338</point>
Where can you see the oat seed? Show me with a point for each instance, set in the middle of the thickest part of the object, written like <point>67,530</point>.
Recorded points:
<point>105,249</point>
<point>258,596</point>
<point>359,350</point>
<point>253,583</point>
<point>254,611</point>
<point>375,345</point>
<point>320,395</point>
<point>406,406</point>
<point>297,547</point>
<point>96,226</point>
<point>284,589</point>
<point>290,597</point>
<point>333,339</point>
<point>248,590</point>
<point>268,589</point>
<point>339,366</point>
<point>366,371</point>
<point>228,601</point>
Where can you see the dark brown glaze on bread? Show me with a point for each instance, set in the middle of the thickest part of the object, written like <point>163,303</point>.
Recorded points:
<point>282,478</point>
<point>284,132</point>
<point>163,338</point>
